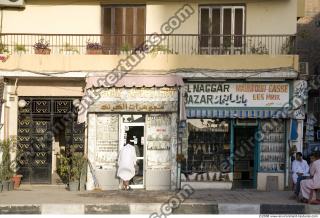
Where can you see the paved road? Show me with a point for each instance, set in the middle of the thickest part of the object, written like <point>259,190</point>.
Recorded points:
<point>57,194</point>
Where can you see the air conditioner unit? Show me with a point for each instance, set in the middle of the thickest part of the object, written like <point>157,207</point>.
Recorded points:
<point>12,3</point>
<point>304,68</point>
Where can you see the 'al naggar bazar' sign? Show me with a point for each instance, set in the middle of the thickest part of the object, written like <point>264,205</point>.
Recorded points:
<point>237,94</point>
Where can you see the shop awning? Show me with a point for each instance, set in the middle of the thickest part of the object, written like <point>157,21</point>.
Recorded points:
<point>135,81</point>
<point>230,113</point>
<point>128,81</point>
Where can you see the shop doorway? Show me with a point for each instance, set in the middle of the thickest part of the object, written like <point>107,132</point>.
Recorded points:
<point>244,157</point>
<point>133,127</point>
<point>44,135</point>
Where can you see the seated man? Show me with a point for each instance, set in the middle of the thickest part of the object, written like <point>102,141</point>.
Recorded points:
<point>300,169</point>
<point>314,183</point>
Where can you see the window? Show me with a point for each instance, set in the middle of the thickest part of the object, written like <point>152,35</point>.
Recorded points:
<point>221,29</point>
<point>208,151</point>
<point>123,27</point>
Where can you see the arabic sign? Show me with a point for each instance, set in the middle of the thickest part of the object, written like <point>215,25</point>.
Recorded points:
<point>106,151</point>
<point>137,100</point>
<point>237,94</point>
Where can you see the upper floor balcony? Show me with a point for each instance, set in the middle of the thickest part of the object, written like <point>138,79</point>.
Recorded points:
<point>150,53</point>
<point>199,35</point>
<point>152,44</point>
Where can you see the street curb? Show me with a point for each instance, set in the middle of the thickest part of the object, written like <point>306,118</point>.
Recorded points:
<point>149,208</point>
<point>20,209</point>
<point>62,209</point>
<point>239,208</point>
<point>282,209</point>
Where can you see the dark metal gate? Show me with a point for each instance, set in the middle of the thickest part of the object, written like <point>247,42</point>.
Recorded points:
<point>38,122</point>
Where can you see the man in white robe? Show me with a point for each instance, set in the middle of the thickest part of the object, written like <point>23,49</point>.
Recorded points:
<point>126,163</point>
<point>300,169</point>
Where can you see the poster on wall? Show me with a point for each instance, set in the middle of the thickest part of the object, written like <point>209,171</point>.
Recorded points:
<point>159,137</point>
<point>237,94</point>
<point>106,152</point>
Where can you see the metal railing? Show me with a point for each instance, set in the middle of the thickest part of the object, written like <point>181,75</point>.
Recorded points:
<point>182,44</point>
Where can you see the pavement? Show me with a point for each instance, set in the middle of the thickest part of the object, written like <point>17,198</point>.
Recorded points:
<point>52,199</point>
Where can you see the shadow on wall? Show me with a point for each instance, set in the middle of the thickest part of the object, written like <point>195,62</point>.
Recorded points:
<point>308,48</point>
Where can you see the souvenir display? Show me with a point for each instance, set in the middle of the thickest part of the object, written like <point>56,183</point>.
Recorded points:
<point>272,147</point>
<point>208,148</point>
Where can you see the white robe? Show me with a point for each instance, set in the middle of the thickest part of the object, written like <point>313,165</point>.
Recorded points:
<point>126,162</point>
<point>299,167</point>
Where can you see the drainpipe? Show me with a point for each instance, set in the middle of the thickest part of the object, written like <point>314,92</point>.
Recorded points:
<point>288,145</point>
<point>179,144</point>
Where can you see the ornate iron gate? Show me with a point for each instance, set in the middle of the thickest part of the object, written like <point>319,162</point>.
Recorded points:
<point>38,121</point>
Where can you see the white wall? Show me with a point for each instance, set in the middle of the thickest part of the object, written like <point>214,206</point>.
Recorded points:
<point>263,17</point>
<point>60,19</point>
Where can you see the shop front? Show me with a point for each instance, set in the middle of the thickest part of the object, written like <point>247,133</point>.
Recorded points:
<point>40,115</point>
<point>146,115</point>
<point>235,134</point>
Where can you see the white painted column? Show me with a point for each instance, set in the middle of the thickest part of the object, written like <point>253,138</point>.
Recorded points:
<point>92,119</point>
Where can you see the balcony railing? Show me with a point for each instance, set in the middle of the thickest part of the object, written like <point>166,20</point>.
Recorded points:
<point>182,44</point>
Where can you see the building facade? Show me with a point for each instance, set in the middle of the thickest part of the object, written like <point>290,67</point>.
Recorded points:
<point>194,84</point>
<point>308,45</point>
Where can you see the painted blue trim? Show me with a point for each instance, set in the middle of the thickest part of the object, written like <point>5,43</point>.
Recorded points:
<point>256,156</point>
<point>232,125</point>
<point>271,172</point>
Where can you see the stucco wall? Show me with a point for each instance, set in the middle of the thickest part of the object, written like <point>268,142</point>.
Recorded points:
<point>150,64</point>
<point>272,17</point>
<point>263,17</point>
<point>59,19</point>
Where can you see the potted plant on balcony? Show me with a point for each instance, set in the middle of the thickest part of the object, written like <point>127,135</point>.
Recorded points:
<point>6,171</point>
<point>3,48</point>
<point>20,49</point>
<point>3,52</point>
<point>42,47</point>
<point>160,49</point>
<point>125,49</point>
<point>94,48</point>
<point>69,49</point>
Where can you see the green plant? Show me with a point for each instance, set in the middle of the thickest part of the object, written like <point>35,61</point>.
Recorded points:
<point>70,48</point>
<point>20,48</point>
<point>260,49</point>
<point>63,169</point>
<point>3,48</point>
<point>126,48</point>
<point>161,48</point>
<point>71,166</point>
<point>6,171</point>
<point>78,162</point>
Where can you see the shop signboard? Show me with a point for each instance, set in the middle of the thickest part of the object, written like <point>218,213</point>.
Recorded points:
<point>237,94</point>
<point>137,99</point>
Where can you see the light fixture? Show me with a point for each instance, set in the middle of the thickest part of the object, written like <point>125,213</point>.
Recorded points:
<point>76,102</point>
<point>22,103</point>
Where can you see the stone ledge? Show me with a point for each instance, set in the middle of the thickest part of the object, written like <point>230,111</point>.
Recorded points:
<point>20,209</point>
<point>107,209</point>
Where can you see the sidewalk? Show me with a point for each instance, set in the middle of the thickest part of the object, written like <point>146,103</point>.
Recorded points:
<point>55,199</point>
